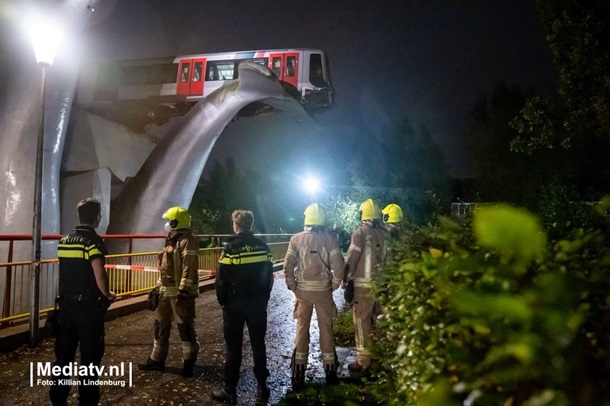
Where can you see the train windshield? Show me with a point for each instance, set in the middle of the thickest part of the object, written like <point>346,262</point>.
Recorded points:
<point>316,72</point>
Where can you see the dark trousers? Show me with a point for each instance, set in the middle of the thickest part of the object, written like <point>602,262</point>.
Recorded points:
<point>251,311</point>
<point>81,324</point>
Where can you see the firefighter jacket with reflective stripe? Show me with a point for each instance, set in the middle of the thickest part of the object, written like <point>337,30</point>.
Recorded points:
<point>392,237</point>
<point>313,261</point>
<point>75,253</point>
<point>245,269</point>
<point>365,254</point>
<point>179,264</point>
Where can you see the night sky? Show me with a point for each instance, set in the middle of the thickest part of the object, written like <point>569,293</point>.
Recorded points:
<point>428,60</point>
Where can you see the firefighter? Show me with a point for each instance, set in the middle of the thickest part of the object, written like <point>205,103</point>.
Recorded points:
<point>364,261</point>
<point>314,268</point>
<point>243,285</point>
<point>179,288</point>
<point>84,297</point>
<point>392,216</point>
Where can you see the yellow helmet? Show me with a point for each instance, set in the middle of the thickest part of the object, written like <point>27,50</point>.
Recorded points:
<point>315,215</point>
<point>369,210</point>
<point>177,217</point>
<point>392,213</point>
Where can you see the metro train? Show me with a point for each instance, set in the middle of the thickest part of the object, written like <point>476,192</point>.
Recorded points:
<point>173,85</point>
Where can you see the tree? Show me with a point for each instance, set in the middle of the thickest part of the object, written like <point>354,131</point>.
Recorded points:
<point>577,34</point>
<point>502,174</point>
<point>406,167</point>
<point>227,188</point>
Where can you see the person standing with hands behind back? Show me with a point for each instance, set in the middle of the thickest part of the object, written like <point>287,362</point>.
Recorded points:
<point>84,297</point>
<point>243,284</point>
<point>314,269</point>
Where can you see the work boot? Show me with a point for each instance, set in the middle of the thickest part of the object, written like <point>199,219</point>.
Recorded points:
<point>355,367</point>
<point>225,394</point>
<point>262,395</point>
<point>152,365</point>
<point>331,375</point>
<point>298,378</point>
<point>188,368</point>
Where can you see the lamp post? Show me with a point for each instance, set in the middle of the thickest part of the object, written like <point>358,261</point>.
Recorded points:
<point>45,39</point>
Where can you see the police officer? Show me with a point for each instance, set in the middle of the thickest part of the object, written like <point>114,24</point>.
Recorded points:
<point>364,261</point>
<point>84,297</point>
<point>314,268</point>
<point>179,282</point>
<point>243,284</point>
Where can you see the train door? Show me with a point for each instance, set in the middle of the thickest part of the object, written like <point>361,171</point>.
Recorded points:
<point>285,66</point>
<point>190,77</point>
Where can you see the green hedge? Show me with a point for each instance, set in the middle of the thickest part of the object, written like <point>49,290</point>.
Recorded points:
<point>491,313</point>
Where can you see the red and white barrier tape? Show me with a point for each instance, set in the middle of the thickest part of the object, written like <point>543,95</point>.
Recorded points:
<point>141,268</point>
<point>202,272</point>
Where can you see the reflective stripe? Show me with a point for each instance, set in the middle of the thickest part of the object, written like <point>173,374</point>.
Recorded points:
<point>168,291</point>
<point>77,251</point>
<point>368,257</point>
<point>245,258</point>
<point>314,285</point>
<point>93,250</point>
<point>363,282</point>
<point>186,347</point>
<point>359,336</point>
<point>71,253</point>
<point>328,356</point>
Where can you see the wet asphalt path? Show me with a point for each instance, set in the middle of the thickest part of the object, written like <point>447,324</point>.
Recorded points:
<point>129,340</point>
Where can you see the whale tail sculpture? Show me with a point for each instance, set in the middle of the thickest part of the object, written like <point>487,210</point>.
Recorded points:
<point>170,175</point>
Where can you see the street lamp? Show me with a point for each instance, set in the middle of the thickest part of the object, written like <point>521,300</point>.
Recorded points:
<point>45,38</point>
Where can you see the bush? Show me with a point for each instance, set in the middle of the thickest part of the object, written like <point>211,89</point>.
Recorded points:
<point>495,314</point>
<point>327,395</point>
<point>343,329</point>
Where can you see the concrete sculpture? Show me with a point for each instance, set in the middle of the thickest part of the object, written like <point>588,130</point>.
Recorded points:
<point>170,174</point>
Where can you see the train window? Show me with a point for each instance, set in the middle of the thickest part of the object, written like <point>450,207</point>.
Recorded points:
<point>221,70</point>
<point>197,73</point>
<point>184,75</point>
<point>276,65</point>
<point>148,74</point>
<point>316,74</point>
<point>291,64</point>
<point>211,72</point>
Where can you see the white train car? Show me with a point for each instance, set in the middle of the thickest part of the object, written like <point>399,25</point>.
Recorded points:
<point>304,73</point>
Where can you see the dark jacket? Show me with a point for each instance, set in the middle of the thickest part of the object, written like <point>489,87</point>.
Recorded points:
<point>244,270</point>
<point>75,252</point>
